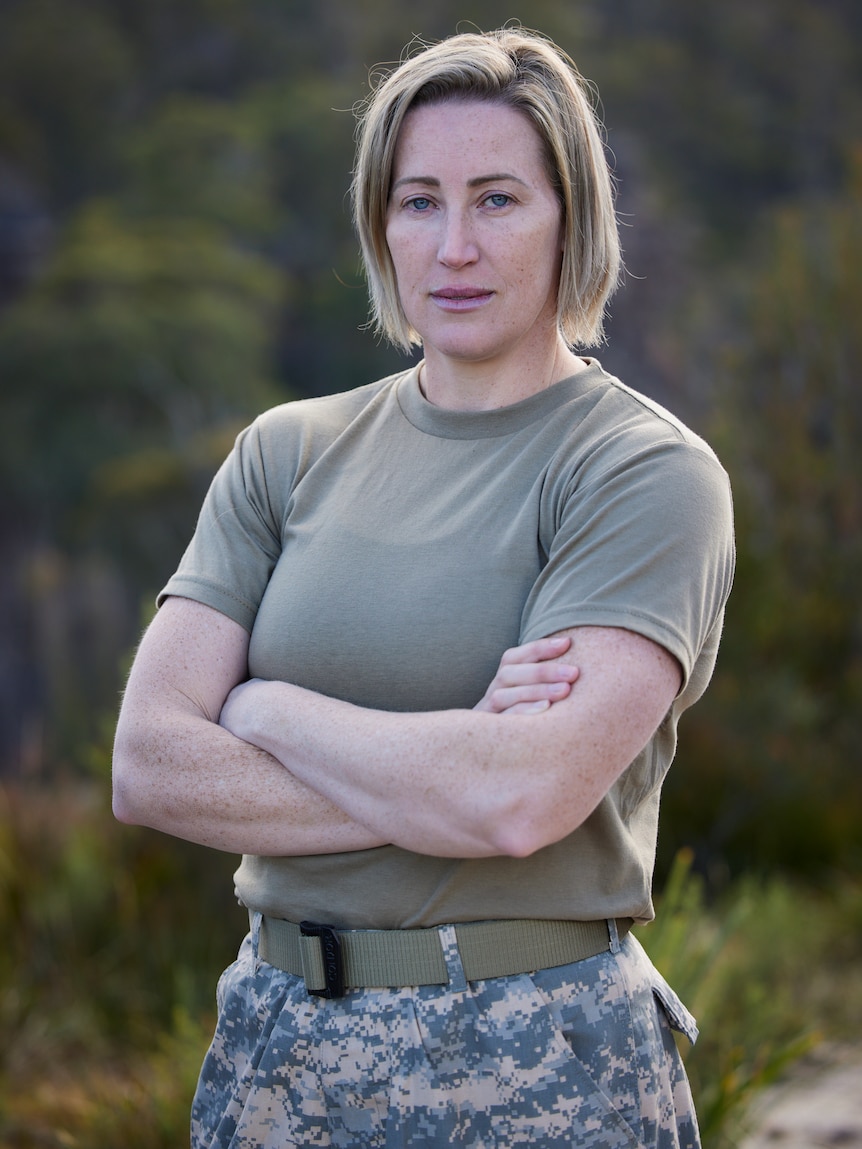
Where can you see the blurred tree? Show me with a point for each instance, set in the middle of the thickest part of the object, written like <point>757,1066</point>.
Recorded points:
<point>766,775</point>
<point>177,253</point>
<point>66,76</point>
<point>142,333</point>
<point>742,103</point>
<point>142,352</point>
<point>129,365</point>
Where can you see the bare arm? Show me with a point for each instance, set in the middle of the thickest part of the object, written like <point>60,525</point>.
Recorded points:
<point>472,783</point>
<point>177,770</point>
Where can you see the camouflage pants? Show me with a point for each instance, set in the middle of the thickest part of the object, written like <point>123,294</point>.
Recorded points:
<point>579,1055</point>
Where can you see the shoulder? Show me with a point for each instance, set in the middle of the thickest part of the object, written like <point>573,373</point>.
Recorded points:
<point>621,433</point>
<point>284,441</point>
<point>326,415</point>
<point>620,410</point>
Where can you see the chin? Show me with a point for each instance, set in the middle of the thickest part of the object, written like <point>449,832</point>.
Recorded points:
<point>464,350</point>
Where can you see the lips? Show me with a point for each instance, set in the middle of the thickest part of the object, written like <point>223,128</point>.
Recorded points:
<point>460,292</point>
<point>461,298</point>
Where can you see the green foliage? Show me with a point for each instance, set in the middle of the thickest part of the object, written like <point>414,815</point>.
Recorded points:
<point>100,943</point>
<point>66,71</point>
<point>143,1105</point>
<point>116,937</point>
<point>141,332</point>
<point>108,971</point>
<point>769,971</point>
<point>770,744</point>
<point>203,159</point>
<point>189,261</point>
<point>739,102</point>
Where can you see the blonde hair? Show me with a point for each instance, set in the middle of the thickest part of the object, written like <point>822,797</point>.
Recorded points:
<point>522,70</point>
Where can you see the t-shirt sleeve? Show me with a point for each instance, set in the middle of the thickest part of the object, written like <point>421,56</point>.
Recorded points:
<point>646,544</point>
<point>237,540</point>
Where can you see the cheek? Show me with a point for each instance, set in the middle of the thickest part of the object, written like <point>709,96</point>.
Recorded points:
<point>553,261</point>
<point>540,262</point>
<point>402,251</point>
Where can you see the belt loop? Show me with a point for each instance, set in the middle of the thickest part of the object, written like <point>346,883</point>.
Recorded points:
<point>613,934</point>
<point>255,923</point>
<point>452,957</point>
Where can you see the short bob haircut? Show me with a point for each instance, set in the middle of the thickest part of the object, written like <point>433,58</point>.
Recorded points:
<point>522,70</point>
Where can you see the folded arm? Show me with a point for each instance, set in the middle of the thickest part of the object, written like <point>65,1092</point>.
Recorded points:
<point>177,770</point>
<point>474,783</point>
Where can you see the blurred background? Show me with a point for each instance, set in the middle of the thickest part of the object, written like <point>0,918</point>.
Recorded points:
<point>176,255</point>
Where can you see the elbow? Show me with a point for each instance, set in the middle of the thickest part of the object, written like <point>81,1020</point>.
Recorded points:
<point>122,798</point>
<point>126,792</point>
<point>122,806</point>
<point>533,818</point>
<point>522,830</point>
<point>121,810</point>
<point>518,841</point>
<point>516,845</point>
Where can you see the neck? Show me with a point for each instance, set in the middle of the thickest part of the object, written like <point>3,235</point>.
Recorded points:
<point>487,385</point>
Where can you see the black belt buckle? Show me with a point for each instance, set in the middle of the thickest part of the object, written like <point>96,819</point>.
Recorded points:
<point>330,948</point>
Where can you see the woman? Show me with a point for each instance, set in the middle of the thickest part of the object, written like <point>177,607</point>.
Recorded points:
<point>423,661</point>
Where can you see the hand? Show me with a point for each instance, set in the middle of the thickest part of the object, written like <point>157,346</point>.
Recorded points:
<point>238,712</point>
<point>528,681</point>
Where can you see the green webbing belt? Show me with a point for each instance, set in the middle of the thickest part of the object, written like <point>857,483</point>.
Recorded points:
<point>415,957</point>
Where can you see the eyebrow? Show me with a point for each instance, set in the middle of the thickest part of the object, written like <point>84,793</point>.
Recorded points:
<point>477,181</point>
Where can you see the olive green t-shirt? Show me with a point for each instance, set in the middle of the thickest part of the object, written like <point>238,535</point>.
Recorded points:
<point>386,552</point>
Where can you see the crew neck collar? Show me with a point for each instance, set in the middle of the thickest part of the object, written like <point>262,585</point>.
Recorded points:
<point>448,424</point>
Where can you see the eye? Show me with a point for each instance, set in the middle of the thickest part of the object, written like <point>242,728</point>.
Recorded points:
<point>419,203</point>
<point>498,199</point>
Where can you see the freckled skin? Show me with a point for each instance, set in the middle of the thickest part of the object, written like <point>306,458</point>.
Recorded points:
<point>472,208</point>
<point>177,770</point>
<point>292,772</point>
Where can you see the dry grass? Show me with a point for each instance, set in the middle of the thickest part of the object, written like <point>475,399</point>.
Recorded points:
<point>116,938</point>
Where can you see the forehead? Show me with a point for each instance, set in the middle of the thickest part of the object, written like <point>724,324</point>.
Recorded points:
<point>460,132</point>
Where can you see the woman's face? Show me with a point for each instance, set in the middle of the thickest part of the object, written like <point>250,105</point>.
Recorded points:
<point>474,228</point>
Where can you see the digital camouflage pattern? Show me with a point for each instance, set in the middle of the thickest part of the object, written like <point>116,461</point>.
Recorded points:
<point>579,1055</point>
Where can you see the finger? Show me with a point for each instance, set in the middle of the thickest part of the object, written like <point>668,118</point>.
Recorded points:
<point>532,681</point>
<point>529,708</point>
<point>539,650</point>
<point>528,673</point>
<point>505,698</point>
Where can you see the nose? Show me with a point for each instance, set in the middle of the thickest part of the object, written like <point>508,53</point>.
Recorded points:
<point>457,244</point>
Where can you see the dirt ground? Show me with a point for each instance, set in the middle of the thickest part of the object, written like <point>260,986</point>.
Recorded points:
<point>820,1106</point>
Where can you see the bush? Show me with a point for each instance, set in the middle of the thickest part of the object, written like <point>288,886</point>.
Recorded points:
<point>770,970</point>
<point>115,938</point>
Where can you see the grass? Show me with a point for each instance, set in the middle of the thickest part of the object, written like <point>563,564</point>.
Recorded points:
<point>771,971</point>
<point>114,939</point>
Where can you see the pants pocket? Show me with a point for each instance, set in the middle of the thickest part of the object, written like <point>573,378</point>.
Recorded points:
<point>679,1017</point>
<point>585,1018</point>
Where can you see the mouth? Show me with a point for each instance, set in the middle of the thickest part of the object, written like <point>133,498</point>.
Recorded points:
<point>461,298</point>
